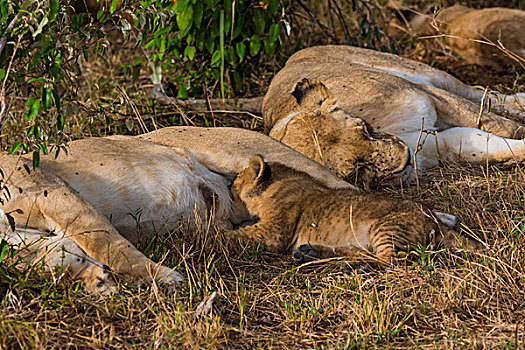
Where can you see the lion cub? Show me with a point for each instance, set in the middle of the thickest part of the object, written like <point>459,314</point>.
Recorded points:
<point>297,211</point>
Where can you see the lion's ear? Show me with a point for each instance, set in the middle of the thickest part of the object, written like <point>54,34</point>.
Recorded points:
<point>260,169</point>
<point>301,89</point>
<point>311,93</point>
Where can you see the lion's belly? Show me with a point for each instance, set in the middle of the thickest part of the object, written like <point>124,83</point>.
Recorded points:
<point>145,194</point>
<point>392,105</point>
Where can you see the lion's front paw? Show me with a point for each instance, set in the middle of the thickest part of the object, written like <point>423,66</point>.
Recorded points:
<point>164,275</point>
<point>99,280</point>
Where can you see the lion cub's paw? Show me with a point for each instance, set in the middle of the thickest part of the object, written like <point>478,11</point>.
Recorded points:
<point>304,254</point>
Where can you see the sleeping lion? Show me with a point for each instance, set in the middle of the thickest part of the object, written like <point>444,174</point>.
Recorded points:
<point>435,114</point>
<point>298,213</point>
<point>491,37</point>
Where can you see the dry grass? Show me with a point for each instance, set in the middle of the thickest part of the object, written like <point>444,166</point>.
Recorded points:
<point>435,299</point>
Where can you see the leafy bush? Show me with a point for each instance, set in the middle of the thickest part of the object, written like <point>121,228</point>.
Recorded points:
<point>212,40</point>
<point>41,44</point>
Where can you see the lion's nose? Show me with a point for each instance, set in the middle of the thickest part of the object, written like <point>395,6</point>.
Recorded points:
<point>405,164</point>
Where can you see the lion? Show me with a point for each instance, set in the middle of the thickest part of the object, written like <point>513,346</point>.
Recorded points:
<point>311,124</point>
<point>435,114</point>
<point>298,213</point>
<point>85,210</point>
<point>490,37</point>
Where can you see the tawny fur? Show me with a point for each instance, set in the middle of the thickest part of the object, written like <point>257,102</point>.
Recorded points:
<point>108,193</point>
<point>404,98</point>
<point>312,124</point>
<point>475,34</point>
<point>295,209</point>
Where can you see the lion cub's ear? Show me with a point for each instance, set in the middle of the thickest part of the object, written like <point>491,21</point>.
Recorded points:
<point>313,94</point>
<point>260,169</point>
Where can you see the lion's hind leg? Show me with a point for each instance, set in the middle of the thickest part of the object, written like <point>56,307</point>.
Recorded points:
<point>476,146</point>
<point>56,255</point>
<point>48,204</point>
<point>96,236</point>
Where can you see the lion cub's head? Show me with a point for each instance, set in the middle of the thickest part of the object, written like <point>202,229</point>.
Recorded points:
<point>343,143</point>
<point>261,179</point>
<point>247,185</point>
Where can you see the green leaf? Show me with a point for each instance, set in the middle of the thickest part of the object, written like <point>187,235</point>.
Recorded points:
<point>15,147</point>
<point>255,45</point>
<point>33,131</point>
<point>4,248</point>
<point>229,54</point>
<point>216,58</point>
<point>100,16</point>
<point>180,6</point>
<point>34,107</point>
<point>212,3</point>
<point>182,93</point>
<point>240,48</point>
<point>237,29</point>
<point>210,44</point>
<point>274,6</point>
<point>36,159</point>
<point>274,33</point>
<point>53,10</point>
<point>189,52</point>
<point>162,48</point>
<point>32,80</point>
<point>56,97</point>
<point>55,67</point>
<point>113,6</point>
<point>43,148</point>
<point>46,97</point>
<point>258,21</point>
<point>237,80</point>
<point>60,122</point>
<point>227,15</point>
<point>185,20</point>
<point>269,47</point>
<point>198,13</point>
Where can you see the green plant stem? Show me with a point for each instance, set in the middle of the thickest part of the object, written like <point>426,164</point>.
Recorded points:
<point>221,30</point>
